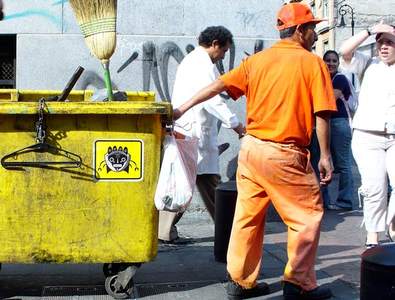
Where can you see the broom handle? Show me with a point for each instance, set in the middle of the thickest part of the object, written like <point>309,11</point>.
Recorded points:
<point>107,79</point>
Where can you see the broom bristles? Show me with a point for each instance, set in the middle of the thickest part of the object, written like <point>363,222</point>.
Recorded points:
<point>102,45</point>
<point>90,10</point>
<point>97,20</point>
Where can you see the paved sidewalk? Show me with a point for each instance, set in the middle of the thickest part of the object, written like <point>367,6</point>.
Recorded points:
<point>190,271</point>
<point>338,260</point>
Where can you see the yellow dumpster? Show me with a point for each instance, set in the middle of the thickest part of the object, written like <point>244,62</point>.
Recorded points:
<point>78,180</point>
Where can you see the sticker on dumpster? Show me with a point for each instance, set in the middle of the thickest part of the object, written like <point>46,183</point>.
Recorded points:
<point>118,160</point>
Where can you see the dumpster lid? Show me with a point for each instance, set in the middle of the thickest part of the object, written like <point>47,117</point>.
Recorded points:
<point>84,107</point>
<point>383,255</point>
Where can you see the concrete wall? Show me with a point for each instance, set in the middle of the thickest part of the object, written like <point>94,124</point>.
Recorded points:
<point>50,46</point>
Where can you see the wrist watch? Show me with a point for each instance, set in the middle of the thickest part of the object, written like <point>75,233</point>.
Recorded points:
<point>368,31</point>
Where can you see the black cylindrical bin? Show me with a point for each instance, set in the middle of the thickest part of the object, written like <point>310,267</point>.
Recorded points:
<point>378,273</point>
<point>225,203</point>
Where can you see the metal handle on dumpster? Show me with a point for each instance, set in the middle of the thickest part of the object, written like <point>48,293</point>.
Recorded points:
<point>69,86</point>
<point>74,160</point>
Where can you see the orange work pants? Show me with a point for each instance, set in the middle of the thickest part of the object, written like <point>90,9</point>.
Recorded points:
<point>282,174</point>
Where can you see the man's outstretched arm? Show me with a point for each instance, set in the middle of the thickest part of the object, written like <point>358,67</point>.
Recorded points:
<point>203,95</point>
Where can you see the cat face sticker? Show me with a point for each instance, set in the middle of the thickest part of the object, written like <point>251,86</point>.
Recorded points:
<point>118,160</point>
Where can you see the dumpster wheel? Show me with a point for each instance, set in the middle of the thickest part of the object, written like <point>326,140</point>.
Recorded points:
<point>110,269</point>
<point>115,290</point>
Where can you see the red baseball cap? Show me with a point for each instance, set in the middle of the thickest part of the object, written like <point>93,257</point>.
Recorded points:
<point>293,14</point>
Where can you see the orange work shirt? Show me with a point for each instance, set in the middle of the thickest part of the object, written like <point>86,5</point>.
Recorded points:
<point>285,85</point>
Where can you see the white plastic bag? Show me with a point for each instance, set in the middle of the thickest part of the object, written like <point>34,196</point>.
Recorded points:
<point>177,176</point>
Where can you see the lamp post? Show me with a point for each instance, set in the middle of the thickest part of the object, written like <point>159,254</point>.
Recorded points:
<point>343,10</point>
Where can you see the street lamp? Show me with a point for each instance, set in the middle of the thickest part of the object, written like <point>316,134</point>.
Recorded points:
<point>343,10</point>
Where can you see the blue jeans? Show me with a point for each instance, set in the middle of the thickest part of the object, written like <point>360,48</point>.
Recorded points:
<point>342,160</point>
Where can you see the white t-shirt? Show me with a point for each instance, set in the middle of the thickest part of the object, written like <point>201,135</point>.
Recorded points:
<point>376,110</point>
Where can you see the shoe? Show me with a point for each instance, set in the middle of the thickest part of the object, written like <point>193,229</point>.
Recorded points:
<point>236,292</point>
<point>337,207</point>
<point>370,246</point>
<point>177,241</point>
<point>333,207</point>
<point>347,204</point>
<point>294,292</point>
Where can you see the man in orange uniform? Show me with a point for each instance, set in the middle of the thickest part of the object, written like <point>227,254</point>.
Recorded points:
<point>288,89</point>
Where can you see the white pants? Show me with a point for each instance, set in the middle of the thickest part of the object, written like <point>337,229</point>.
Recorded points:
<point>374,154</point>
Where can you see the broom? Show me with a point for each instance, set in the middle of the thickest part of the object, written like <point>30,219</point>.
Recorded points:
<point>97,20</point>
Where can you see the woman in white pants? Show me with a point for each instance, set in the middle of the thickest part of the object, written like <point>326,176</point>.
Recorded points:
<point>373,142</point>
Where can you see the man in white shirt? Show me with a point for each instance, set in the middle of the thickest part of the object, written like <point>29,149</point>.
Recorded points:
<point>196,71</point>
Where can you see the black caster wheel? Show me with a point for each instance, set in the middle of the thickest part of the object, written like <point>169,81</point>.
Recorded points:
<point>110,269</point>
<point>115,290</point>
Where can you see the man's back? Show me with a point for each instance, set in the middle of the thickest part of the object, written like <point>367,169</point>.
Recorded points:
<point>284,85</point>
<point>195,72</point>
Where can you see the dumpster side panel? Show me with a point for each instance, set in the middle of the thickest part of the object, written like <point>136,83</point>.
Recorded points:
<point>62,215</point>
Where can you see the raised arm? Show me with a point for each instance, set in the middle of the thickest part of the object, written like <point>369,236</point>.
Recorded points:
<point>203,95</point>
<point>349,46</point>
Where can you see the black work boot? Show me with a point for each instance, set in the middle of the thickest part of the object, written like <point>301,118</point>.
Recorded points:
<point>294,292</point>
<point>237,292</point>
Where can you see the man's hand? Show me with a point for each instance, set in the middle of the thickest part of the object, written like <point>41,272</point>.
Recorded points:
<point>177,114</point>
<point>240,130</point>
<point>339,94</point>
<point>382,28</point>
<point>325,167</point>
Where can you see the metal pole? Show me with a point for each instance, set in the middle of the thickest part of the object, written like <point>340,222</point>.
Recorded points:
<point>352,22</point>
